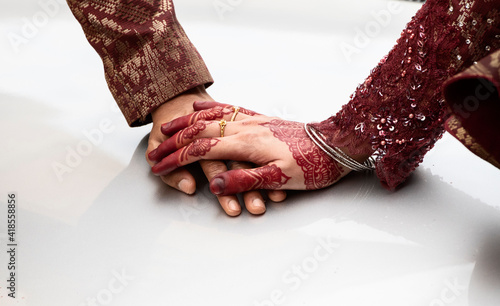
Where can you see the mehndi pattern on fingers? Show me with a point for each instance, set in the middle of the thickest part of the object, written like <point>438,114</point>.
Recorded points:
<point>206,105</point>
<point>191,131</point>
<point>197,148</point>
<point>319,169</point>
<point>213,113</point>
<point>247,112</point>
<point>268,177</point>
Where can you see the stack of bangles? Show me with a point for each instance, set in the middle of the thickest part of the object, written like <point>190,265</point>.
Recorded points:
<point>337,154</point>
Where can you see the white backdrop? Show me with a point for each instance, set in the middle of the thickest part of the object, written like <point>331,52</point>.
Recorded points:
<point>107,232</point>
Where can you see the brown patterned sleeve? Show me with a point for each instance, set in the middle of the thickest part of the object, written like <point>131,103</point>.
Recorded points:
<point>148,58</point>
<point>474,101</point>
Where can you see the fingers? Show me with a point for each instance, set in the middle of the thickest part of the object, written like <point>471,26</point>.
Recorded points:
<point>197,150</point>
<point>253,199</point>
<point>178,124</point>
<point>216,111</point>
<point>183,138</point>
<point>229,203</point>
<point>276,195</point>
<point>179,179</point>
<point>202,105</point>
<point>226,148</point>
<point>236,181</point>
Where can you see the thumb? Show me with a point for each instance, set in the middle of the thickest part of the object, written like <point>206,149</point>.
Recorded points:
<point>235,181</point>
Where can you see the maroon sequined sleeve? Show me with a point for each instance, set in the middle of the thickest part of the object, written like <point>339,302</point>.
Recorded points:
<point>398,112</point>
<point>147,57</point>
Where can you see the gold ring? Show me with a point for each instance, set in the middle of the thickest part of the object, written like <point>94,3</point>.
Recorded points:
<point>222,125</point>
<point>236,110</point>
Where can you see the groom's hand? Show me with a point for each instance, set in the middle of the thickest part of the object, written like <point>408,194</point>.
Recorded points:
<point>181,179</point>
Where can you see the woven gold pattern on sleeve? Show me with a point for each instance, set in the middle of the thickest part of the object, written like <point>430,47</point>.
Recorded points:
<point>148,58</point>
<point>455,128</point>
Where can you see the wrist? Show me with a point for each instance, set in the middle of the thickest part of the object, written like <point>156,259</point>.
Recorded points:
<point>180,105</point>
<point>357,161</point>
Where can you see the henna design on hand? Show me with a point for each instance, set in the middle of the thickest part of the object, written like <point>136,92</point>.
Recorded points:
<point>198,147</point>
<point>204,105</point>
<point>170,145</point>
<point>247,112</point>
<point>319,169</point>
<point>214,113</point>
<point>217,112</point>
<point>191,131</point>
<point>268,177</point>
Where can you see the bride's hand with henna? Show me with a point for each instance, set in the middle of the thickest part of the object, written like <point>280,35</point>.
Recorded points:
<point>286,158</point>
<point>181,179</point>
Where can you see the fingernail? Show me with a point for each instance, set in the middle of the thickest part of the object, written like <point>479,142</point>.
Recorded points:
<point>217,186</point>
<point>233,206</point>
<point>152,154</point>
<point>165,127</point>
<point>184,186</point>
<point>259,205</point>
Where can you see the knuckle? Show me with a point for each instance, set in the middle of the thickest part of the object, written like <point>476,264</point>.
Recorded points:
<point>236,165</point>
<point>249,121</point>
<point>250,138</point>
<point>167,179</point>
<point>201,123</point>
<point>212,167</point>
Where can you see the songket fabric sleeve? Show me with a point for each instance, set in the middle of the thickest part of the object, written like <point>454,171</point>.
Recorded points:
<point>398,113</point>
<point>473,98</point>
<point>148,58</point>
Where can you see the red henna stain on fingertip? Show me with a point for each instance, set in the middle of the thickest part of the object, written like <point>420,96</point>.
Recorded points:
<point>200,105</point>
<point>165,128</point>
<point>217,186</point>
<point>165,149</point>
<point>152,154</point>
<point>155,170</point>
<point>159,169</point>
